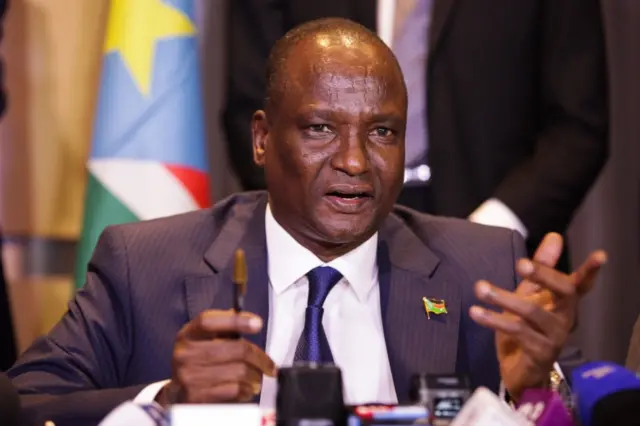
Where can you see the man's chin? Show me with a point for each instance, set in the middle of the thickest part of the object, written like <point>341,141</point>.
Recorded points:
<point>347,230</point>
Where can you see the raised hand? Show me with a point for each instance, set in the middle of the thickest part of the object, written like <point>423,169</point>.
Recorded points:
<point>537,318</point>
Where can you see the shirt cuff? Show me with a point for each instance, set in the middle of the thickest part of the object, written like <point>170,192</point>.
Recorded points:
<point>148,394</point>
<point>494,212</point>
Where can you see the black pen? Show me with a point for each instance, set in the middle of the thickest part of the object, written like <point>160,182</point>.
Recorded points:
<point>239,281</point>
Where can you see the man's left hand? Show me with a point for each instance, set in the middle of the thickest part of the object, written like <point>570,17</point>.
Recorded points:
<point>538,317</point>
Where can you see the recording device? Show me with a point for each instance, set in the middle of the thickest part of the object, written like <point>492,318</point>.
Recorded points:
<point>484,408</point>
<point>129,413</point>
<point>310,394</point>
<point>544,407</point>
<point>443,395</point>
<point>9,403</point>
<point>606,394</point>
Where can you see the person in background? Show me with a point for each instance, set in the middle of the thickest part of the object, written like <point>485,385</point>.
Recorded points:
<point>7,337</point>
<point>507,121</point>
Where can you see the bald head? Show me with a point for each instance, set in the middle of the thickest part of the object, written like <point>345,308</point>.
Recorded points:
<point>331,140</point>
<point>315,40</point>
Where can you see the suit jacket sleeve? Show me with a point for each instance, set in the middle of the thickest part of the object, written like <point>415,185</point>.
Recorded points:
<point>76,374</point>
<point>572,146</point>
<point>253,28</point>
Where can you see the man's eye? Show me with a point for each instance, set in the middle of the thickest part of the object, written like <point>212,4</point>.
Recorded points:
<point>319,128</point>
<point>383,132</point>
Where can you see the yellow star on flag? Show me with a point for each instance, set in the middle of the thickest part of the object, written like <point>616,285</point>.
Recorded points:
<point>134,28</point>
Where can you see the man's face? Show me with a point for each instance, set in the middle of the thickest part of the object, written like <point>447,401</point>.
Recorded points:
<point>333,147</point>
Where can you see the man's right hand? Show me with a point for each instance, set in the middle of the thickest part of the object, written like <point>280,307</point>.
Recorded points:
<point>211,364</point>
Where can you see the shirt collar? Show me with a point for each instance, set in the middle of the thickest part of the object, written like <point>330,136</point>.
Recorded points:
<point>288,261</point>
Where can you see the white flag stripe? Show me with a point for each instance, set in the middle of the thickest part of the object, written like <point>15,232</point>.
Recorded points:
<point>146,188</point>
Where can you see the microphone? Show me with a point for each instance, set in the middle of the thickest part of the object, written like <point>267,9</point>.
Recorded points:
<point>443,395</point>
<point>606,394</point>
<point>544,408</point>
<point>310,394</point>
<point>9,402</point>
<point>129,413</point>
<point>484,408</point>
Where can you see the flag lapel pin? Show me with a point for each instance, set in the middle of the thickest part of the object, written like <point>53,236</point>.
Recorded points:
<point>434,306</point>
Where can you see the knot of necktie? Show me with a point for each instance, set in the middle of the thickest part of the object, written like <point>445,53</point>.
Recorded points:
<point>321,280</point>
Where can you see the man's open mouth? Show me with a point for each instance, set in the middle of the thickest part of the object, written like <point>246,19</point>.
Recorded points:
<point>349,195</point>
<point>350,192</point>
<point>349,199</point>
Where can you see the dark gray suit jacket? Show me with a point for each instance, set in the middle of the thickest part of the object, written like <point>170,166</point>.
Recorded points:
<point>146,280</point>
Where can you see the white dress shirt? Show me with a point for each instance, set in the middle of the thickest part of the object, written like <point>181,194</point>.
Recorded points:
<point>492,212</point>
<point>352,318</point>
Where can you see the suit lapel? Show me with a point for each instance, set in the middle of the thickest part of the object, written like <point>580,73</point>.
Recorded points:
<point>407,273</point>
<point>439,19</point>
<point>215,291</point>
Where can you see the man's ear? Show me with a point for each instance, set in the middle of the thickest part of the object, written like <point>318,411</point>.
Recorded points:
<point>260,135</point>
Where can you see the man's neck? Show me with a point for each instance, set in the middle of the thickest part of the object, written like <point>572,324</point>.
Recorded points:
<point>324,250</point>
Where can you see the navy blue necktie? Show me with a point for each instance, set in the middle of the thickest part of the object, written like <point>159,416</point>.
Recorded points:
<point>313,345</point>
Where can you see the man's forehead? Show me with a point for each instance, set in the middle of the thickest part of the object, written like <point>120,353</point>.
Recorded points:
<point>336,48</point>
<point>341,67</point>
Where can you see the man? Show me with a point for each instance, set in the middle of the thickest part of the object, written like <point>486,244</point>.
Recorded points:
<point>7,338</point>
<point>507,121</point>
<point>336,272</point>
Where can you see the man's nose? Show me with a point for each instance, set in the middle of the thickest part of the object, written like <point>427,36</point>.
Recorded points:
<point>352,157</point>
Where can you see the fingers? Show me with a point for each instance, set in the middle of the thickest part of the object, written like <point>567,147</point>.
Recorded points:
<point>536,344</point>
<point>579,282</point>
<point>225,392</point>
<point>201,376</point>
<point>585,276</point>
<point>531,313</point>
<point>549,250</point>
<point>544,276</point>
<point>222,351</point>
<point>212,364</point>
<point>210,324</point>
<point>547,253</point>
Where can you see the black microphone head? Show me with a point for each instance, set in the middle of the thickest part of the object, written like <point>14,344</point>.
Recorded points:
<point>443,394</point>
<point>620,408</point>
<point>310,393</point>
<point>9,403</point>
